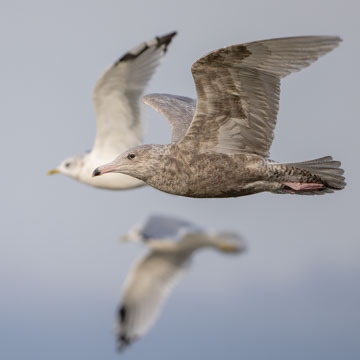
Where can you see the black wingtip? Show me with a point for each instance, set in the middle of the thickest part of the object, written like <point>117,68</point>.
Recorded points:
<point>122,314</point>
<point>165,40</point>
<point>123,342</point>
<point>130,56</point>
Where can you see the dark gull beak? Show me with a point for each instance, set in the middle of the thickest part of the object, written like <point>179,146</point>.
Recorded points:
<point>103,169</point>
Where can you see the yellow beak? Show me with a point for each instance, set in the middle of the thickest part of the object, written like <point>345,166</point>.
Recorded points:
<point>227,247</point>
<point>52,172</point>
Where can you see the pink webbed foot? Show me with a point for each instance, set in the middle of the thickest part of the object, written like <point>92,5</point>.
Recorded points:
<point>297,186</point>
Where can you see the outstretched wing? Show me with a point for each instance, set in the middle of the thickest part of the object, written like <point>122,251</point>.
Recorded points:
<point>178,110</point>
<point>146,288</point>
<point>238,91</point>
<point>117,96</point>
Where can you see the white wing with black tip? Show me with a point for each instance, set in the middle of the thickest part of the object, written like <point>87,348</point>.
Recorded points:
<point>117,94</point>
<point>146,288</point>
<point>178,110</point>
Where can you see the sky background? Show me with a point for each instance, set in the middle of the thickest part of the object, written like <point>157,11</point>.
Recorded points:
<point>293,295</point>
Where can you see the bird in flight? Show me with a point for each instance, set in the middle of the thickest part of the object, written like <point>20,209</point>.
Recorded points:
<point>171,242</point>
<point>220,146</point>
<point>116,100</point>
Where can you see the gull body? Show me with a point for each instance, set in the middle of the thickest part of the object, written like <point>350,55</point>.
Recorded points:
<point>116,99</point>
<point>222,147</point>
<point>171,242</point>
<point>175,170</point>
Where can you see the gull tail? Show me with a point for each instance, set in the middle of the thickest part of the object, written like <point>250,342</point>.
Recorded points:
<point>327,169</point>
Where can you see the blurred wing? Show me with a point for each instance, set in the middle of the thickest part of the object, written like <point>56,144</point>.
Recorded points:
<point>178,110</point>
<point>228,242</point>
<point>238,91</point>
<point>165,227</point>
<point>117,96</point>
<point>146,288</point>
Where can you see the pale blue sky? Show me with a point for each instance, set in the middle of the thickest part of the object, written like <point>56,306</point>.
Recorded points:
<point>295,293</point>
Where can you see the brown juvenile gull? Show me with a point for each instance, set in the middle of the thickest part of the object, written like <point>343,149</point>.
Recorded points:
<point>116,99</point>
<point>224,151</point>
<point>171,242</point>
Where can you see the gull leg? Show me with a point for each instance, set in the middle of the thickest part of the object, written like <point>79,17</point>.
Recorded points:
<point>297,186</point>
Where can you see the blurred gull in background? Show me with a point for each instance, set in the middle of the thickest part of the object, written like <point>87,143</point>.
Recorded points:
<point>172,243</point>
<point>116,99</point>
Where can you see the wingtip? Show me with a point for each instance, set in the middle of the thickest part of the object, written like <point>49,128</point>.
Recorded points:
<point>145,99</point>
<point>165,39</point>
<point>159,41</point>
<point>332,40</point>
<point>336,39</point>
<point>123,342</point>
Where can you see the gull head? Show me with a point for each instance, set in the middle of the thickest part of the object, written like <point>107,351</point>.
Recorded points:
<point>70,167</point>
<point>134,235</point>
<point>139,162</point>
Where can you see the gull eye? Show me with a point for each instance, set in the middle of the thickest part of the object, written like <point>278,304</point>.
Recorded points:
<point>131,156</point>
<point>67,164</point>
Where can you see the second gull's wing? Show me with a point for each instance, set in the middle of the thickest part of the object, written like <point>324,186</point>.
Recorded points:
<point>165,227</point>
<point>117,96</point>
<point>146,288</point>
<point>178,110</point>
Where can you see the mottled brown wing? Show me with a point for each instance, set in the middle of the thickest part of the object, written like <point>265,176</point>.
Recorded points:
<point>238,91</point>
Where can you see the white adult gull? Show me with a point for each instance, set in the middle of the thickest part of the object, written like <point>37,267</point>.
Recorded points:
<point>116,100</point>
<point>172,243</point>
